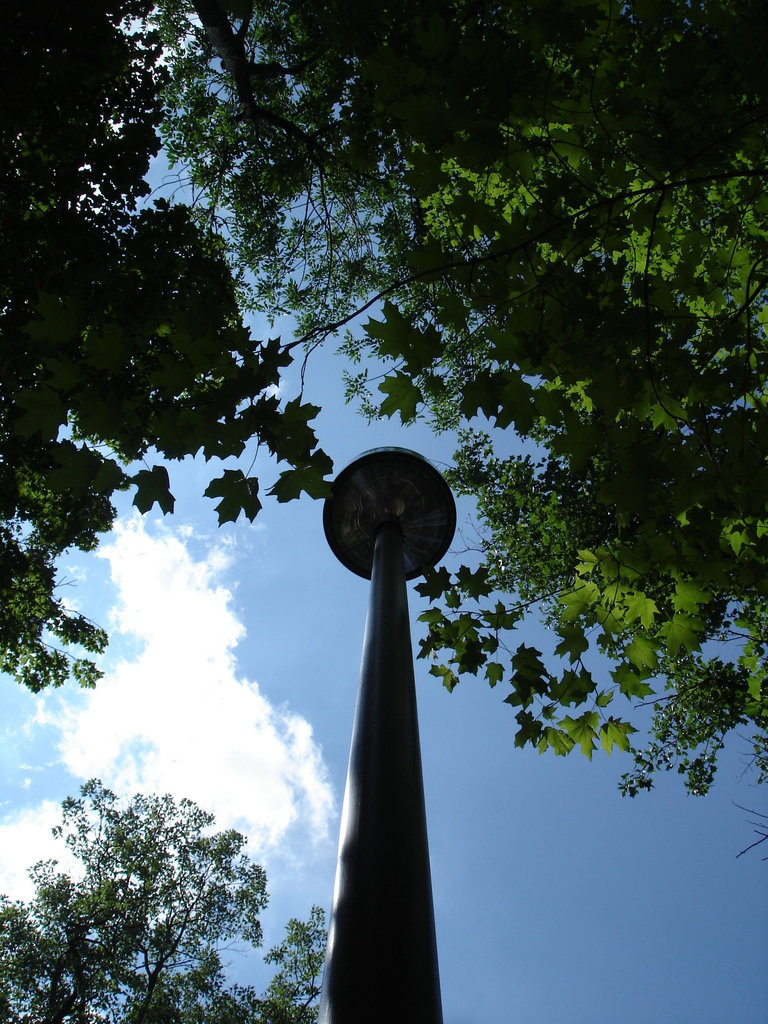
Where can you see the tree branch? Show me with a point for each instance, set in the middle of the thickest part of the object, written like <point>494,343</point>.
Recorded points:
<point>230,49</point>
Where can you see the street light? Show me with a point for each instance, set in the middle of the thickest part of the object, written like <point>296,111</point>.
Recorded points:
<point>390,516</point>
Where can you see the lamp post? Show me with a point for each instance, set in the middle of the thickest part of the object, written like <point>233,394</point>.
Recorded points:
<point>390,516</point>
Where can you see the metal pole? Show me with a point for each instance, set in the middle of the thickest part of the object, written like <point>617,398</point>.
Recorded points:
<point>381,960</point>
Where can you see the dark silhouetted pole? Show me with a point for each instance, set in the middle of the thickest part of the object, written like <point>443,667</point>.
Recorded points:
<point>391,514</point>
<point>381,963</point>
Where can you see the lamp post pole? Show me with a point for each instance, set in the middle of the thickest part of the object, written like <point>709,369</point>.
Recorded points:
<point>381,960</point>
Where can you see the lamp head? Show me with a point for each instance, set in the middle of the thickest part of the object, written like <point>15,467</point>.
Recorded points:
<point>389,485</point>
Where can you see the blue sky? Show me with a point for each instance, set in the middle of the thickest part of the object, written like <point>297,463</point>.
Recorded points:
<point>231,679</point>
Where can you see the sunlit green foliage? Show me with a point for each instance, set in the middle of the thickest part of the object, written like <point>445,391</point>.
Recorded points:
<point>578,256</point>
<point>596,232</point>
<point>293,994</point>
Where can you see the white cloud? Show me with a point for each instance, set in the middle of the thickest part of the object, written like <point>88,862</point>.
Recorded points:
<point>176,717</point>
<point>25,840</point>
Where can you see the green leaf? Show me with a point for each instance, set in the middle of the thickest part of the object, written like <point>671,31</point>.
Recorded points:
<point>689,595</point>
<point>57,322</point>
<point>307,478</point>
<point>469,655</point>
<point>529,676</point>
<point>572,688</point>
<point>641,607</point>
<point>43,413</point>
<point>573,643</point>
<point>682,631</point>
<point>528,659</point>
<point>630,682</point>
<point>153,485</point>
<point>474,584</point>
<point>588,562</point>
<point>643,653</point>
<point>444,673</point>
<point>557,740</point>
<point>615,733</point>
<point>435,583</point>
<point>582,730</point>
<point>502,617</point>
<point>494,672</point>
<point>576,601</point>
<point>431,616</point>
<point>292,439</point>
<point>238,493</point>
<point>403,397</point>
<point>530,728</point>
<point>81,471</point>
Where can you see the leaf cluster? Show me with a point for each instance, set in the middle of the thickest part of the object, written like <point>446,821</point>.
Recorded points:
<point>592,276</point>
<point>558,212</point>
<point>270,123</point>
<point>123,344</point>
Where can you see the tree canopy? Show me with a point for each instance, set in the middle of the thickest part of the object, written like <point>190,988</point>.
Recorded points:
<point>136,932</point>
<point>565,216</point>
<point>554,213</point>
<point>605,298</point>
<point>123,344</point>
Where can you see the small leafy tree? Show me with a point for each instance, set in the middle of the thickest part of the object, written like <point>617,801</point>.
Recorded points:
<point>293,993</point>
<point>137,936</point>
